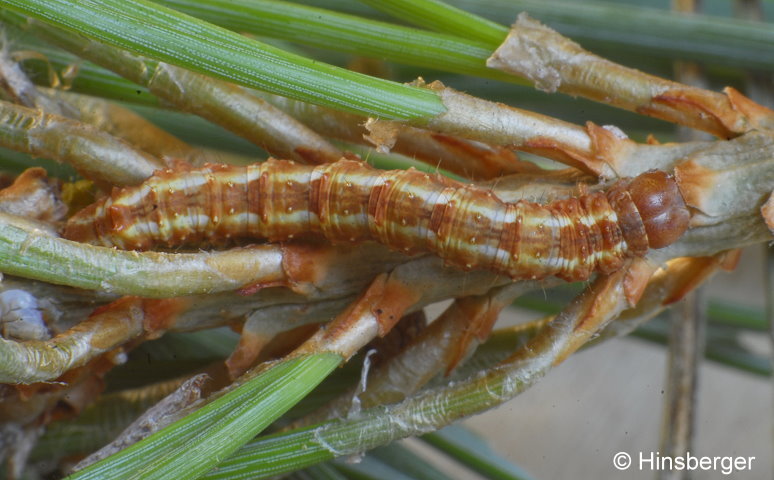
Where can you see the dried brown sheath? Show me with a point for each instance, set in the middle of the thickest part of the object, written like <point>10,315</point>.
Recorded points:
<point>348,201</point>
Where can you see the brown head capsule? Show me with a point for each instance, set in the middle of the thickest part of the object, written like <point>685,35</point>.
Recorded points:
<point>650,204</point>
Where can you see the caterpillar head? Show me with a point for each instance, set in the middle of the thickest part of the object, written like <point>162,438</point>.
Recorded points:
<point>661,206</point>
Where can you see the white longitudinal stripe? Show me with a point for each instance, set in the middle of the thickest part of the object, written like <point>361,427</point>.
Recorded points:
<point>134,197</point>
<point>570,264</point>
<point>551,260</point>
<point>296,217</point>
<point>566,223</point>
<point>619,249</point>
<point>282,178</point>
<point>243,218</point>
<point>373,224</point>
<point>181,222</point>
<point>188,221</point>
<point>444,196</point>
<point>480,246</point>
<point>140,229</point>
<point>410,228</point>
<point>554,222</point>
<point>592,255</point>
<point>183,182</point>
<point>430,196</point>
<point>588,220</point>
<point>497,222</point>
<point>409,231</point>
<point>503,254</point>
<point>108,240</point>
<point>252,173</point>
<point>233,179</point>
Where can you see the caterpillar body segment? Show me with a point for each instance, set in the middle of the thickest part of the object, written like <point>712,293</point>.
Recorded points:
<point>349,201</point>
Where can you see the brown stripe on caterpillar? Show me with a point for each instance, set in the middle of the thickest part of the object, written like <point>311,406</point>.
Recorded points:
<point>349,201</point>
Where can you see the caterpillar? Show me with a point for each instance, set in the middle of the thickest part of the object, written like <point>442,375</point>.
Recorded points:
<point>349,201</point>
